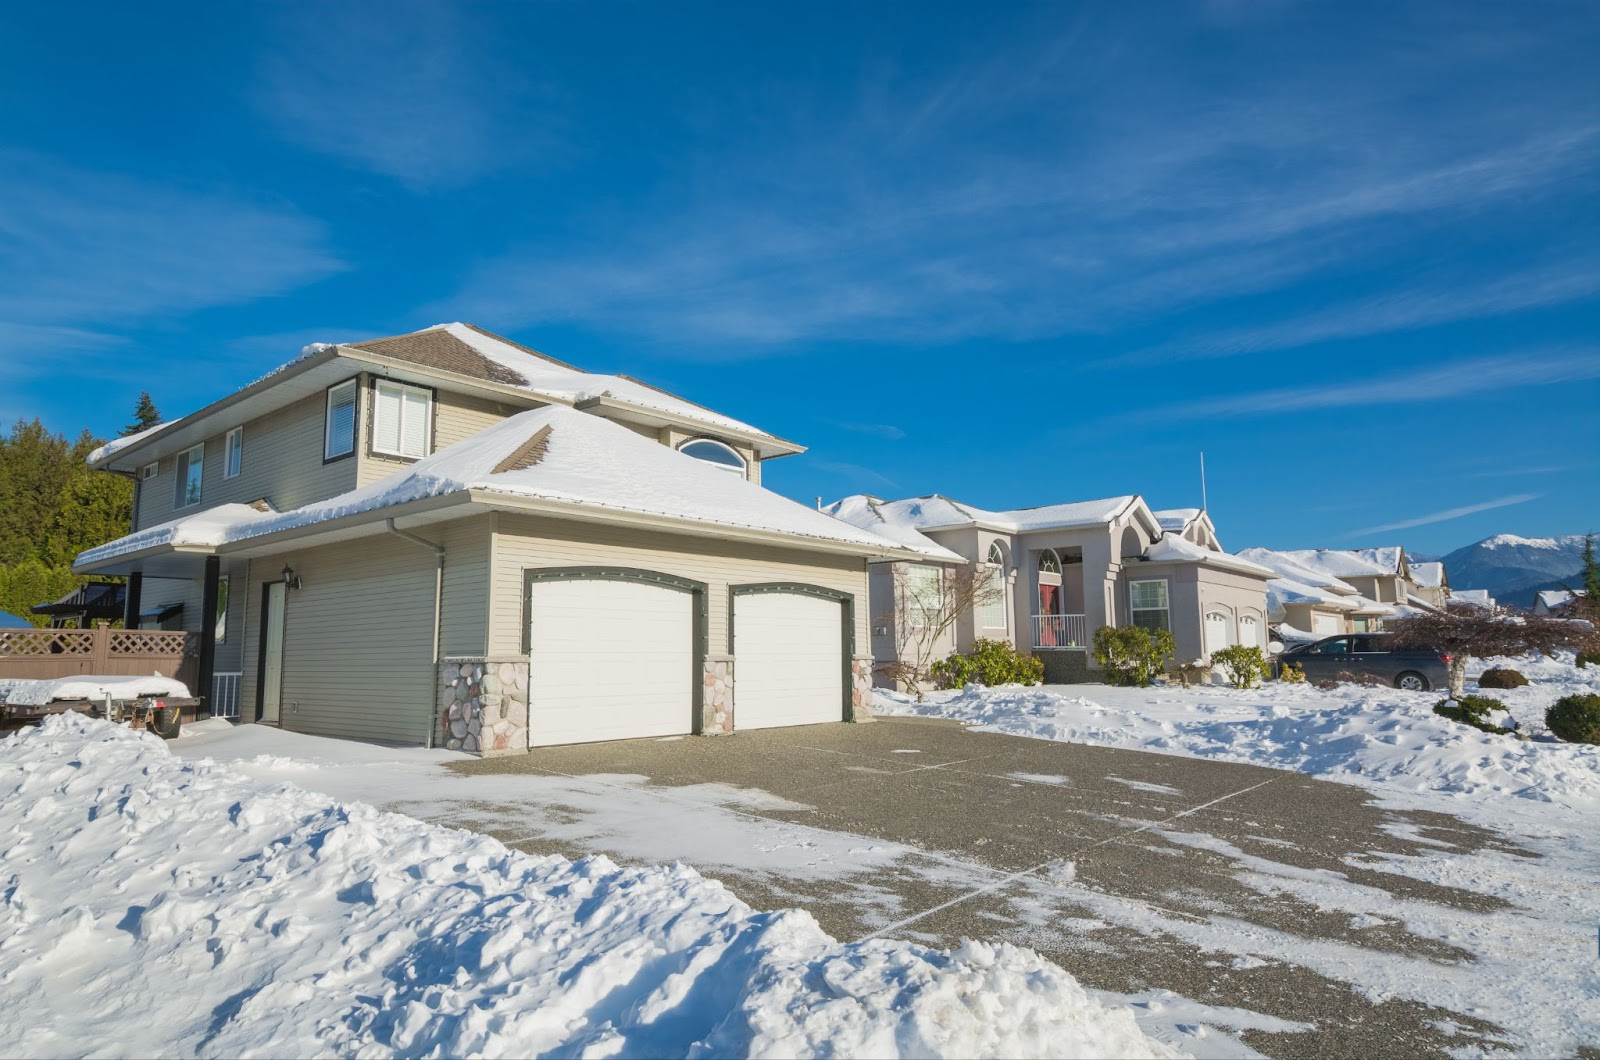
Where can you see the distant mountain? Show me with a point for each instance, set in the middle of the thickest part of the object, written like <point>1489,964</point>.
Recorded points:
<point>1513,568</point>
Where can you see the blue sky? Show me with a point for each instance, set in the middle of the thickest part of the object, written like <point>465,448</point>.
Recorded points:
<point>1014,254</point>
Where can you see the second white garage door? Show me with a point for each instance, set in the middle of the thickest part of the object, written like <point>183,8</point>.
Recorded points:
<point>609,659</point>
<point>1327,625</point>
<point>788,660</point>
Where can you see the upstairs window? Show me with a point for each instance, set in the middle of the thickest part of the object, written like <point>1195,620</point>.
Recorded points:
<point>402,422</point>
<point>150,470</point>
<point>1148,603</point>
<point>716,454</point>
<point>191,472</point>
<point>339,434</point>
<point>233,453</point>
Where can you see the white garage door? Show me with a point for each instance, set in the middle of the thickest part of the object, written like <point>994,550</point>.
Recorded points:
<point>1250,632</point>
<point>609,660</point>
<point>788,660</point>
<point>1219,631</point>
<point>1326,625</point>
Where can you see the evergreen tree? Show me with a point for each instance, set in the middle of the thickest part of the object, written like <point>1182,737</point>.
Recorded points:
<point>1591,572</point>
<point>145,415</point>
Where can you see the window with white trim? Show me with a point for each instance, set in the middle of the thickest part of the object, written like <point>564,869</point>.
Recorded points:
<point>150,470</point>
<point>339,433</point>
<point>715,453</point>
<point>1147,602</point>
<point>924,595</point>
<point>191,474</point>
<point>233,453</point>
<point>992,613</point>
<point>402,420</point>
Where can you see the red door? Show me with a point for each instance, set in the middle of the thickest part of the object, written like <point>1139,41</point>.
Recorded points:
<point>1049,604</point>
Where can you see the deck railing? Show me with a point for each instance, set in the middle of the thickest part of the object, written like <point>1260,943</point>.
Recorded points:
<point>225,694</point>
<point>1061,631</point>
<point>51,653</point>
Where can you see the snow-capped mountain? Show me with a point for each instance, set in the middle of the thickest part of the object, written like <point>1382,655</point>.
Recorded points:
<point>1513,568</point>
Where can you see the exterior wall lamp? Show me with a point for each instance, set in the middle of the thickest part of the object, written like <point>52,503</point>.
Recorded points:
<point>291,580</point>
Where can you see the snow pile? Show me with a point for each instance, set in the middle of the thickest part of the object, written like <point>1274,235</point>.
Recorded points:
<point>38,692</point>
<point>1382,736</point>
<point>156,908</point>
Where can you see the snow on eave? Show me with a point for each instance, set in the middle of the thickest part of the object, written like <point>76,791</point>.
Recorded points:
<point>1175,548</point>
<point>868,514</point>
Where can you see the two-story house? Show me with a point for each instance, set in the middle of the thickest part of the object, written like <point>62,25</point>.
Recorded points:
<point>446,537</point>
<point>1062,572</point>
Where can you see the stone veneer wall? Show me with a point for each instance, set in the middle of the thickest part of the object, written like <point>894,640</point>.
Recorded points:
<point>484,706</point>
<point>716,700</point>
<point>861,690</point>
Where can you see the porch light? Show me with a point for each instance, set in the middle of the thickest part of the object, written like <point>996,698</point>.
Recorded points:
<point>291,580</point>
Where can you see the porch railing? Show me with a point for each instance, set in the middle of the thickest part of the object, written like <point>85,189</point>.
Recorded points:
<point>1061,631</point>
<point>225,694</point>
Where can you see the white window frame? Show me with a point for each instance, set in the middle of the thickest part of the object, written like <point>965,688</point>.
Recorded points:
<point>924,593</point>
<point>399,391</point>
<point>741,469</point>
<point>1165,610</point>
<point>328,452</point>
<point>185,473</point>
<point>233,453</point>
<point>995,569</point>
<point>150,470</point>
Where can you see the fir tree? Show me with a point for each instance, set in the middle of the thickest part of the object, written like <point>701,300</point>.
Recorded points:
<point>145,415</point>
<point>1591,572</point>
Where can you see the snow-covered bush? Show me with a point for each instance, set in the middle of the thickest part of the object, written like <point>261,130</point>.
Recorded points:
<point>1132,655</point>
<point>1475,711</point>
<point>1243,663</point>
<point>1587,658</point>
<point>1575,718</point>
<point>990,663</point>
<point>1501,677</point>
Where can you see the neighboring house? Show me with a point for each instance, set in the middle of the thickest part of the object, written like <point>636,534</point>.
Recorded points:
<point>1305,602</point>
<point>1431,582</point>
<point>448,537</point>
<point>1554,601</point>
<point>1064,570</point>
<point>1475,597</point>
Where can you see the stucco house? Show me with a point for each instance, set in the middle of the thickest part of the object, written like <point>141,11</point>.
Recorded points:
<point>1430,582</point>
<point>1064,570</point>
<point>1324,592</point>
<point>446,537</point>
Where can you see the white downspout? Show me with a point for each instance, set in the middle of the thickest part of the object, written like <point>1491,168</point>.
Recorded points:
<point>438,613</point>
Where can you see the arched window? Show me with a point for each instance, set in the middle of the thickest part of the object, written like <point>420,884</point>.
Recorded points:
<point>992,612</point>
<point>1050,563</point>
<point>714,453</point>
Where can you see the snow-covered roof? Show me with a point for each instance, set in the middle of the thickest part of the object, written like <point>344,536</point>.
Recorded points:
<point>1388,559</point>
<point>553,454</point>
<point>935,512</point>
<point>872,514</point>
<point>1177,520</point>
<point>1294,568</point>
<point>1429,575</point>
<point>1281,591</point>
<point>1475,597</point>
<point>1551,598</point>
<point>1174,548</point>
<point>1341,563</point>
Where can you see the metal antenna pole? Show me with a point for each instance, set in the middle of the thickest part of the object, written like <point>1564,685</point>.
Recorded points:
<point>1203,505</point>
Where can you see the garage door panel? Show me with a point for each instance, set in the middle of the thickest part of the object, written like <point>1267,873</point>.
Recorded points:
<point>609,660</point>
<point>788,660</point>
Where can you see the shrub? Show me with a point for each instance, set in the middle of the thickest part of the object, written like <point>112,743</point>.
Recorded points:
<point>1575,719</point>
<point>1586,658</point>
<point>1132,655</point>
<point>1500,677</point>
<point>1244,664</point>
<point>1474,711</point>
<point>990,663</point>
<point>1291,674</point>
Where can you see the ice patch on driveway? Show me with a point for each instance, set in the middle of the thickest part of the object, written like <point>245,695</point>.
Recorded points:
<point>1145,785</point>
<point>1039,778</point>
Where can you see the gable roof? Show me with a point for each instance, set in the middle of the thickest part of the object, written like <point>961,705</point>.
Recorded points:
<point>1429,575</point>
<point>590,468</point>
<point>1175,548</point>
<point>890,521</point>
<point>1345,563</point>
<point>1177,519</point>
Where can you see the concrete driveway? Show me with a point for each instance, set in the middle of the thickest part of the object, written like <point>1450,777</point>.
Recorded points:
<point>1139,873</point>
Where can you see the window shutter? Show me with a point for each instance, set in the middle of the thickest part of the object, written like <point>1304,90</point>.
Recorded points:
<point>414,424</point>
<point>386,421</point>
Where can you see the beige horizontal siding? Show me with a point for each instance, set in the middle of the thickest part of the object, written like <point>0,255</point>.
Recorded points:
<point>455,417</point>
<point>523,542</point>
<point>282,461</point>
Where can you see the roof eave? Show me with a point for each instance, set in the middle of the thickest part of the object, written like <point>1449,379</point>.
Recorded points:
<point>768,445</point>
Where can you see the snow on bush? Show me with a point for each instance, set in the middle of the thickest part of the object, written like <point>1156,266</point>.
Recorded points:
<point>155,907</point>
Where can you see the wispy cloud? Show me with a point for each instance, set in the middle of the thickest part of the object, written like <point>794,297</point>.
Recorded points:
<point>82,253</point>
<point>411,90</point>
<point>1445,382</point>
<point>886,431</point>
<point>855,472</point>
<point>1448,514</point>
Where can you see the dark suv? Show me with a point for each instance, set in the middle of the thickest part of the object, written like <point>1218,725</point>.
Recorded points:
<point>1362,656</point>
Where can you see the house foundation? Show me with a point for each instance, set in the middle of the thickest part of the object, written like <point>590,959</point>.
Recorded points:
<point>716,699</point>
<point>1066,667</point>
<point>861,688</point>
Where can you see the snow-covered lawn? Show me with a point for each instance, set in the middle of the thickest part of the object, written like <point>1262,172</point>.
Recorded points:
<point>154,906</point>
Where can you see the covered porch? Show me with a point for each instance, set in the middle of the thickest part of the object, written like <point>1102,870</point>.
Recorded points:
<point>1057,620</point>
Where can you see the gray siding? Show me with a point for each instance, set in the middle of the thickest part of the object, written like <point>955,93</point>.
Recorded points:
<point>521,542</point>
<point>282,461</point>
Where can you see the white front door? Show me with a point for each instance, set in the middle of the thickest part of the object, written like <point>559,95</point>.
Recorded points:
<point>272,653</point>
<point>609,659</point>
<point>788,660</point>
<point>1219,631</point>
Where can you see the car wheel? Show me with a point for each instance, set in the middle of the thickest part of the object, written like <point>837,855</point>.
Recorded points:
<point>1411,681</point>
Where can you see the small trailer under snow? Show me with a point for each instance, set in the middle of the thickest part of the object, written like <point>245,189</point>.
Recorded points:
<point>156,703</point>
